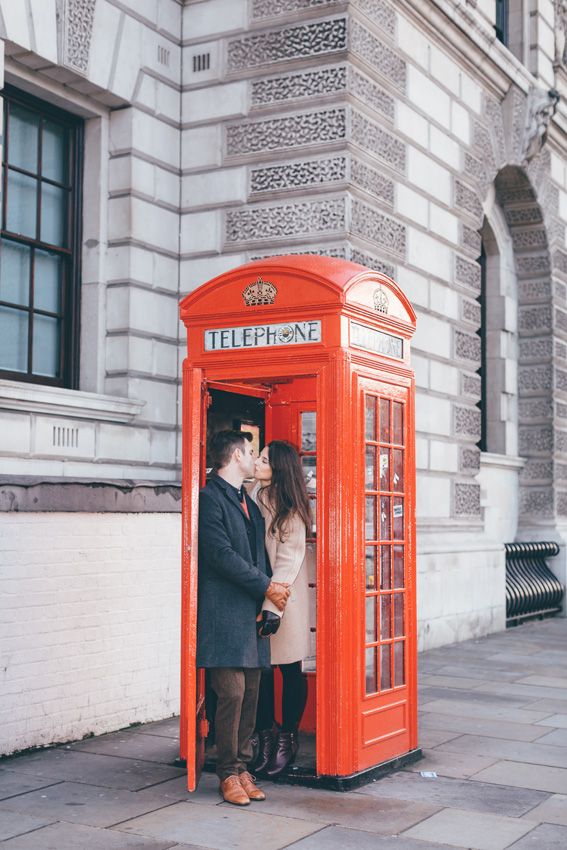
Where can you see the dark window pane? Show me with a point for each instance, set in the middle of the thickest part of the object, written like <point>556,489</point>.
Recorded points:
<point>370,520</point>
<point>370,619</point>
<point>13,340</point>
<point>370,561</point>
<point>384,469</point>
<point>398,518</point>
<point>22,204</point>
<point>385,568</point>
<point>385,617</point>
<point>385,668</point>
<point>384,420</point>
<point>45,346</point>
<point>371,671</point>
<point>370,417</point>
<point>47,281</point>
<point>385,526</point>
<point>399,614</point>
<point>370,468</point>
<point>399,673</point>
<point>398,423</point>
<point>14,273</point>
<point>399,579</point>
<point>53,215</point>
<point>54,152</point>
<point>398,477</point>
<point>309,465</point>
<point>23,130</point>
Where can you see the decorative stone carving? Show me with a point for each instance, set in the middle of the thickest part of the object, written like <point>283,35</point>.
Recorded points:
<point>470,311</point>
<point>371,262</point>
<point>482,142</point>
<point>467,273</point>
<point>535,439</point>
<point>469,460</point>
<point>534,408</point>
<point>285,220</point>
<point>560,261</point>
<point>535,348</point>
<point>371,94</point>
<point>560,440</point>
<point>474,168</point>
<point>534,290</point>
<point>535,318</point>
<point>523,215</point>
<point>299,86</point>
<point>75,26</point>
<point>561,410</point>
<point>536,470</point>
<point>560,350</point>
<point>534,238</point>
<point>467,346</point>
<point>562,504</point>
<point>372,181</point>
<point>292,131</point>
<point>560,30</point>
<point>534,265</point>
<point>307,40</point>
<point>369,224</point>
<point>468,200</point>
<point>380,13</point>
<point>470,385</point>
<point>561,320</point>
<point>471,240</point>
<point>327,251</point>
<point>466,499</point>
<point>561,379</point>
<point>273,8</point>
<point>467,421</point>
<point>497,135</point>
<point>535,378</point>
<point>540,109</point>
<point>378,55</point>
<point>296,175</point>
<point>378,142</point>
<point>533,501</point>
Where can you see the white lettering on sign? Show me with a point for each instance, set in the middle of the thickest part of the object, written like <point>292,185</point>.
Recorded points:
<point>260,336</point>
<point>378,341</point>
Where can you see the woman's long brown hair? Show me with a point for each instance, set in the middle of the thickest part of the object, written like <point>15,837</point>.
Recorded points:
<point>286,494</point>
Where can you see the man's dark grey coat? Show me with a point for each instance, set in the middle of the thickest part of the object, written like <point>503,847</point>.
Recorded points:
<point>231,585</point>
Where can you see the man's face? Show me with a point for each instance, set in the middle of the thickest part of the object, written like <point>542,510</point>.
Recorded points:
<point>247,460</point>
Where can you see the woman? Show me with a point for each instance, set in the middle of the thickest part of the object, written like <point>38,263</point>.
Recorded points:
<point>281,496</point>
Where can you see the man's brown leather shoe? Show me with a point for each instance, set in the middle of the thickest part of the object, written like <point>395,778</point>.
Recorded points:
<point>247,782</point>
<point>232,791</point>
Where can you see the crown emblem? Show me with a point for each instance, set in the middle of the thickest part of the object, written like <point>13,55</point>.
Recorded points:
<point>381,302</point>
<point>259,292</point>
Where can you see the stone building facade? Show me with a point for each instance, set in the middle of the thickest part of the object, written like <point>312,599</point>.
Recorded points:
<point>422,138</point>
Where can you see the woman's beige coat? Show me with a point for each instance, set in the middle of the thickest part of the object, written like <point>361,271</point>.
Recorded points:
<point>287,558</point>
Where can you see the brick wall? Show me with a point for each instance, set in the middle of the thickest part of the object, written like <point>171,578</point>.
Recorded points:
<point>89,607</point>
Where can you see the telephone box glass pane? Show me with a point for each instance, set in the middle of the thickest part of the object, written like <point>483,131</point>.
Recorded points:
<point>398,477</point>
<point>370,417</point>
<point>384,469</point>
<point>398,519</point>
<point>385,568</point>
<point>313,506</point>
<point>370,468</point>
<point>370,518</point>
<point>385,527</point>
<point>399,673</point>
<point>370,619</point>
<point>384,420</point>
<point>371,670</point>
<point>385,668</point>
<point>398,423</point>
<point>398,614</point>
<point>309,465</point>
<point>399,580</point>
<point>385,617</point>
<point>370,560</point>
<point>308,431</point>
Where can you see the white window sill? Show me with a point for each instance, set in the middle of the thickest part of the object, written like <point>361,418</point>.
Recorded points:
<point>36,398</point>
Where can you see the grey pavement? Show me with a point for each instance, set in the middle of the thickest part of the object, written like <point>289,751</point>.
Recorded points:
<point>493,728</point>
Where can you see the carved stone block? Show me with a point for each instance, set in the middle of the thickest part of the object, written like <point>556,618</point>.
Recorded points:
<point>560,471</point>
<point>467,273</point>
<point>371,262</point>
<point>305,40</point>
<point>523,215</point>
<point>534,290</point>
<point>273,8</point>
<point>535,438</point>
<point>296,175</point>
<point>482,143</point>
<point>380,13</point>
<point>535,348</point>
<point>561,410</point>
<point>380,229</point>
<point>533,265</point>
<point>534,409</point>
<point>372,181</point>
<point>471,240</point>
<point>561,379</point>
<point>470,311</point>
<point>535,378</point>
<point>285,220</point>
<point>291,131</point>
<point>536,471</point>
<point>327,251</point>
<point>378,55</point>
<point>371,94</point>
<point>468,201</point>
<point>467,346</point>
<point>534,502</point>
<point>560,261</point>
<point>467,421</point>
<point>497,134</point>
<point>560,320</point>
<point>76,28</point>
<point>560,441</point>
<point>561,504</point>
<point>466,499</point>
<point>529,239</point>
<point>560,350</point>
<point>474,168</point>
<point>469,460</point>
<point>368,135</point>
<point>535,318</point>
<point>299,86</point>
<point>470,385</point>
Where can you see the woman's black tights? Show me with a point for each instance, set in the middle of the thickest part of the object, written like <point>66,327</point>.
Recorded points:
<point>294,697</point>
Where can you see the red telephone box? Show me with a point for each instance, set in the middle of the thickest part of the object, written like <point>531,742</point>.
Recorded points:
<point>317,351</point>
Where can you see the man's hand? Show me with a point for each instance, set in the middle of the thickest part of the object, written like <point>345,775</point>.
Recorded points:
<point>278,593</point>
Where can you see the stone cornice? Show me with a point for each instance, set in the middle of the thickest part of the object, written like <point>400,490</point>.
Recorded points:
<point>54,401</point>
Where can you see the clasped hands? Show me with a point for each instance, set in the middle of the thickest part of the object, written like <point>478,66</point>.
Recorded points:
<point>267,622</point>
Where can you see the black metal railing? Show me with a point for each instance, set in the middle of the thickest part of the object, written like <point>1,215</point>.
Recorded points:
<point>531,588</point>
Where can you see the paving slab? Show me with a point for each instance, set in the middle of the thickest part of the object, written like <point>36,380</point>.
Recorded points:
<point>549,706</point>
<point>547,681</point>
<point>341,838</point>
<point>481,726</point>
<point>12,783</point>
<point>456,793</point>
<point>91,768</point>
<point>556,720</point>
<point>464,829</point>
<point>220,827</point>
<point>531,752</point>
<point>430,738</point>
<point>557,738</point>
<point>382,816</point>
<point>459,682</point>
<point>15,823</point>
<point>451,764</point>
<point>521,694</point>
<point>167,728</point>
<point>520,775</point>
<point>464,708</point>
<point>482,673</point>
<point>70,836</point>
<point>90,805</point>
<point>136,745</point>
<point>553,810</point>
<point>175,790</point>
<point>544,837</point>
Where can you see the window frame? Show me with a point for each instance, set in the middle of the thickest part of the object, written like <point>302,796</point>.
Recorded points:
<point>70,295</point>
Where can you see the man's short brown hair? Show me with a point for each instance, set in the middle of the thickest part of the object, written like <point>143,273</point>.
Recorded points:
<point>223,445</point>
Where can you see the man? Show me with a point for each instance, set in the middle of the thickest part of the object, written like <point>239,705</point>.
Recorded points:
<point>234,577</point>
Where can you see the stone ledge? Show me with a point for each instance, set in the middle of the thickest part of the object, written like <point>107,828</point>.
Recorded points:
<point>31,494</point>
<point>37,398</point>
